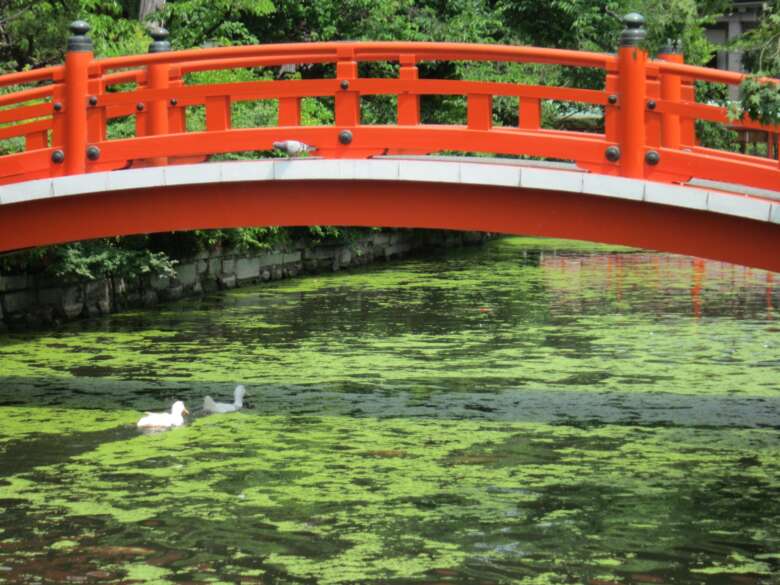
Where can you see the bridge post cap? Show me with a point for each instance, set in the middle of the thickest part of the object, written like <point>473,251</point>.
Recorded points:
<point>160,36</point>
<point>635,32</point>
<point>79,41</point>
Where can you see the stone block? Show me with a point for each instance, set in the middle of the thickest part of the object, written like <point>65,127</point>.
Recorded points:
<point>172,293</point>
<point>270,259</point>
<point>265,275</point>
<point>159,282</point>
<point>187,274</point>
<point>227,281</point>
<point>345,258</point>
<point>228,265</point>
<point>325,253</point>
<point>17,302</point>
<point>120,286</point>
<point>210,284</point>
<point>380,239</point>
<point>290,257</point>
<point>215,266</point>
<point>202,266</point>
<point>247,269</point>
<point>66,302</point>
<point>13,283</point>
<point>149,298</point>
<point>97,299</point>
<point>276,273</point>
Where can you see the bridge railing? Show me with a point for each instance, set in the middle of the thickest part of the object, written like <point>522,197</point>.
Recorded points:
<point>649,109</point>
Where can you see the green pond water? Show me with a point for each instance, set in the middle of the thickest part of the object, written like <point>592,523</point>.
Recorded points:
<point>530,412</point>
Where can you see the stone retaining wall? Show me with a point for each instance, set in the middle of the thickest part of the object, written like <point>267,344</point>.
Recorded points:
<point>39,301</point>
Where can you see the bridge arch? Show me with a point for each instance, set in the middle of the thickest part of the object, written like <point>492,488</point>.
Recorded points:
<point>492,195</point>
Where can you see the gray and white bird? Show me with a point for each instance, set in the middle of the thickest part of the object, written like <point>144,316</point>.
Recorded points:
<point>293,147</point>
<point>209,405</point>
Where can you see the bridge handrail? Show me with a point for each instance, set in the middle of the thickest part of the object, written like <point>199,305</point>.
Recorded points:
<point>284,53</point>
<point>649,110</point>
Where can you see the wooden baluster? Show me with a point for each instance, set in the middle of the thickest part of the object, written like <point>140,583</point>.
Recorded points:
<point>652,117</point>
<point>611,110</point>
<point>177,121</point>
<point>671,92</point>
<point>289,111</point>
<point>218,115</point>
<point>96,112</point>
<point>408,103</point>
<point>688,125</point>
<point>480,112</point>
<point>530,115</point>
<point>347,100</point>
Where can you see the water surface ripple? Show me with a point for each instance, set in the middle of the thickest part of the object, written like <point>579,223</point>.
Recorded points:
<point>533,412</point>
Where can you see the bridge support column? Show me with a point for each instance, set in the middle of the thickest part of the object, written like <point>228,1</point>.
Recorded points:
<point>77,62</point>
<point>632,72</point>
<point>158,77</point>
<point>671,91</point>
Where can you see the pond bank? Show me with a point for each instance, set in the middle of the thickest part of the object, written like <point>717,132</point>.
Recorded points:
<point>41,301</point>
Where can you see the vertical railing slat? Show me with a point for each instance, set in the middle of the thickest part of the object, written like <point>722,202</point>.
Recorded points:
<point>480,112</point>
<point>408,103</point>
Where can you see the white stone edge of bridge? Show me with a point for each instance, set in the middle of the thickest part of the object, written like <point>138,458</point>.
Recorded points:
<point>429,171</point>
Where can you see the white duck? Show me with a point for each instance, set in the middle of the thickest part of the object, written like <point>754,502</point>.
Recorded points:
<point>165,419</point>
<point>238,402</point>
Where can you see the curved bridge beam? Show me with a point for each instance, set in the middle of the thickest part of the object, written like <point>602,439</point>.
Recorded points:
<point>487,195</point>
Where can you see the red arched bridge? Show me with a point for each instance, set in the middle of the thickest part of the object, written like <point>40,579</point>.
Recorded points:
<point>642,179</point>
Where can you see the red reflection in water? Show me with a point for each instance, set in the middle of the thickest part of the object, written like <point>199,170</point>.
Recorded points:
<point>699,269</point>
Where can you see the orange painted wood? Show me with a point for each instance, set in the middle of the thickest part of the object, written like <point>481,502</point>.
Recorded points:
<point>76,89</point>
<point>633,131</point>
<point>480,112</point>
<point>688,122</point>
<point>157,120</point>
<point>530,115</point>
<point>36,140</point>
<point>24,129</point>
<point>347,109</point>
<point>289,111</point>
<point>611,112</point>
<point>671,91</point>
<point>408,105</point>
<point>218,116</point>
<point>652,116</point>
<point>417,205</point>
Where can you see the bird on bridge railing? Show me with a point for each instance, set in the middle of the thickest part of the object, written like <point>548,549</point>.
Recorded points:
<point>161,420</point>
<point>238,402</point>
<point>293,147</point>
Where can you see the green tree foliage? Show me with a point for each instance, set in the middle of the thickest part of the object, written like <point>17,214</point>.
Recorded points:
<point>34,34</point>
<point>761,99</point>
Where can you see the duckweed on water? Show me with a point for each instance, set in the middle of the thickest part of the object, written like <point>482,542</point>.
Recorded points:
<point>508,415</point>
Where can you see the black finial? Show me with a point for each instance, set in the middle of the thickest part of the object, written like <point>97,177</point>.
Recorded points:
<point>79,41</point>
<point>161,43</point>
<point>634,33</point>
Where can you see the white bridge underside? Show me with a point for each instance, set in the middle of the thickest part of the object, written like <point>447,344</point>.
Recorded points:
<point>734,200</point>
